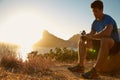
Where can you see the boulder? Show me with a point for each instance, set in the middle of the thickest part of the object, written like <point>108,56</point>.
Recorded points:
<point>112,64</point>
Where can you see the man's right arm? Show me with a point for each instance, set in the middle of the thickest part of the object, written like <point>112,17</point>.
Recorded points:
<point>89,35</point>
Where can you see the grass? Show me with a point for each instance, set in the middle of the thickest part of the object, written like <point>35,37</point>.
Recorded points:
<point>11,63</point>
<point>36,66</point>
<point>32,66</point>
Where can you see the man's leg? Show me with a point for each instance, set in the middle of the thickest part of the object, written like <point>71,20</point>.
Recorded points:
<point>81,53</point>
<point>81,58</point>
<point>106,45</point>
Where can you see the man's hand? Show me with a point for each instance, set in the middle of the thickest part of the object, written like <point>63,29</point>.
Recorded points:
<point>89,37</point>
<point>86,37</point>
<point>83,37</point>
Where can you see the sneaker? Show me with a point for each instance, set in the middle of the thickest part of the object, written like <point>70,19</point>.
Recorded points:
<point>77,68</point>
<point>92,74</point>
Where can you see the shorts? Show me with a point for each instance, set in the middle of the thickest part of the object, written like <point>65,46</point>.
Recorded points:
<point>115,49</point>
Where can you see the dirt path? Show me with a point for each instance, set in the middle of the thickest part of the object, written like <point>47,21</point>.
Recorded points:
<point>62,71</point>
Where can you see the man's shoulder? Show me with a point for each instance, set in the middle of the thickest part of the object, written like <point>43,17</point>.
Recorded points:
<point>106,16</point>
<point>109,19</point>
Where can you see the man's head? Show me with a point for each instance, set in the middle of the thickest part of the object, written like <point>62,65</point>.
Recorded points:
<point>97,8</point>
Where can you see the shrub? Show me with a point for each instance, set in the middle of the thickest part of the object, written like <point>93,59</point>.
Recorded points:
<point>62,54</point>
<point>8,49</point>
<point>37,64</point>
<point>11,63</point>
<point>91,54</point>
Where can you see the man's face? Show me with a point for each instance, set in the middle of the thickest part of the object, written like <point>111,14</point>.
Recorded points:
<point>97,12</point>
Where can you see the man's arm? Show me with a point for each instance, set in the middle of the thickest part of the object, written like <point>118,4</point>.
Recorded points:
<point>92,32</point>
<point>89,35</point>
<point>106,32</point>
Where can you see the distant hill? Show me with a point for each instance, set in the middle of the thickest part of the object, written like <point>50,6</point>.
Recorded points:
<point>50,40</point>
<point>74,39</point>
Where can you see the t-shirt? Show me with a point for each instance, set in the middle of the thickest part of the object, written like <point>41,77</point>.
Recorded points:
<point>100,25</point>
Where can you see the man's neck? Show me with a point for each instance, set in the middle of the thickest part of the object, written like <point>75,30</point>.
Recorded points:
<point>100,18</point>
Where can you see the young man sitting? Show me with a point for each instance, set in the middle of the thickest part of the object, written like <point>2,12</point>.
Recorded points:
<point>104,31</point>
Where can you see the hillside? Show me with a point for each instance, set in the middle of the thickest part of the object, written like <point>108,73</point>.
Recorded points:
<point>50,40</point>
<point>74,39</point>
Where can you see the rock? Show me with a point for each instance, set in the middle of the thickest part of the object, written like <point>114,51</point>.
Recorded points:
<point>112,64</point>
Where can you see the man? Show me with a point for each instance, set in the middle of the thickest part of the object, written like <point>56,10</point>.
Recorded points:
<point>104,30</point>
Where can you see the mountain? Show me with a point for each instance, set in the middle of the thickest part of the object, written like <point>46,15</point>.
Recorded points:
<point>50,40</point>
<point>74,39</point>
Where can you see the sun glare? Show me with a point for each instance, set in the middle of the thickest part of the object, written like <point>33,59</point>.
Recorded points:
<point>23,29</point>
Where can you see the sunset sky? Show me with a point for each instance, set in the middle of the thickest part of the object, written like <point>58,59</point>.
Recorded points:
<point>23,21</point>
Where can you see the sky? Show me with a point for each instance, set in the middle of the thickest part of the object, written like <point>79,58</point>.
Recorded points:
<point>23,21</point>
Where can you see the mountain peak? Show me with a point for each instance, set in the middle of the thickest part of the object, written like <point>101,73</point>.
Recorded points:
<point>50,40</point>
<point>47,35</point>
<point>45,32</point>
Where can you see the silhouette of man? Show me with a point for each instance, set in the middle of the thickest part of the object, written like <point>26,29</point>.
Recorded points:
<point>104,31</point>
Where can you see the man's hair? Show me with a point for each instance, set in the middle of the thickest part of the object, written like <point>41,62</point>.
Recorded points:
<point>97,4</point>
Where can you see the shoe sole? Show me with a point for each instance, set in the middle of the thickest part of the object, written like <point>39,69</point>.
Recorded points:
<point>75,71</point>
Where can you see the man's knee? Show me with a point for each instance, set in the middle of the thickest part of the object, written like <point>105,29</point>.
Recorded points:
<point>107,42</point>
<point>104,40</point>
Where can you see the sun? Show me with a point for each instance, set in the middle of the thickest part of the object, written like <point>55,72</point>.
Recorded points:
<point>22,28</point>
